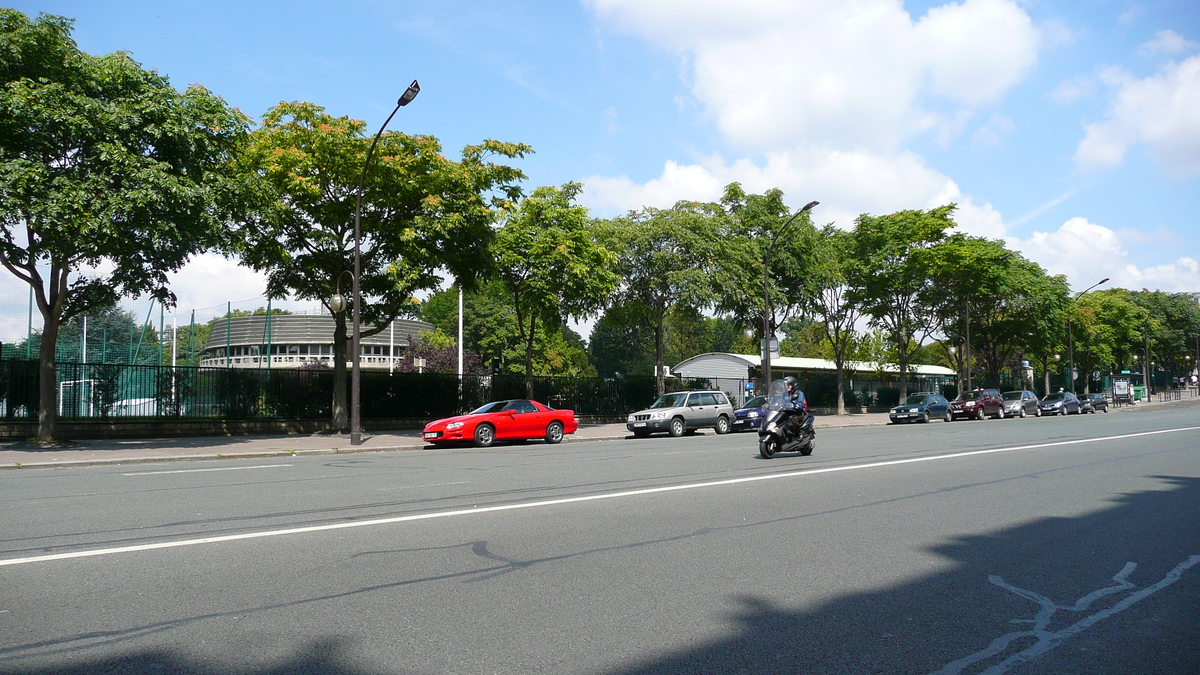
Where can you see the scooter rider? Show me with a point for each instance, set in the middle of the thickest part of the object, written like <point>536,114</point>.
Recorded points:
<point>795,395</point>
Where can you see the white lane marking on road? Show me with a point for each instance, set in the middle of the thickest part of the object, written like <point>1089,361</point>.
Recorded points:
<point>223,468</point>
<point>1046,639</point>
<point>565,500</point>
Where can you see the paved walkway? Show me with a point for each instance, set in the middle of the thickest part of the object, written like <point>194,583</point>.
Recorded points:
<point>21,455</point>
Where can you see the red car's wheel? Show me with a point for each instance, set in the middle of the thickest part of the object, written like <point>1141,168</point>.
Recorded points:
<point>554,432</point>
<point>485,435</point>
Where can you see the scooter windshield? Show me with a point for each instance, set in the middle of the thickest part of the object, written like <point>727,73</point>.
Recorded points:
<point>777,396</point>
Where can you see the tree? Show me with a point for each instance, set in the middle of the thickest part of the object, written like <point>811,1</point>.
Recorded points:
<point>551,263</point>
<point>421,213</point>
<point>832,303</point>
<point>662,259</point>
<point>749,238</point>
<point>1003,294</point>
<point>621,341</point>
<point>440,355</point>
<point>892,282</point>
<point>1174,332</point>
<point>1107,329</point>
<point>110,178</point>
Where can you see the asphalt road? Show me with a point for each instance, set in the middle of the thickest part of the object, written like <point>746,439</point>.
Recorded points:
<point>1053,545</point>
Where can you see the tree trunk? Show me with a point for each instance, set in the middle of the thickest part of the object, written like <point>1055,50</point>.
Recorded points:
<point>841,379</point>
<point>341,410</point>
<point>47,430</point>
<point>659,356</point>
<point>902,352</point>
<point>529,357</point>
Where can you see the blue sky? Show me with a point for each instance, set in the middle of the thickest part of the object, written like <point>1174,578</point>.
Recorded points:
<point>1069,129</point>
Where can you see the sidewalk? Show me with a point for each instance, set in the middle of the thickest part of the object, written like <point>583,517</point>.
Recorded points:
<point>96,452</point>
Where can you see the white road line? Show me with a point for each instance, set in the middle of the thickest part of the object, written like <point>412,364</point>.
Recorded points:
<point>566,500</point>
<point>223,468</point>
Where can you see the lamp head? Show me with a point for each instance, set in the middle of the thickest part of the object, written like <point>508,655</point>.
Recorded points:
<point>337,303</point>
<point>809,206</point>
<point>409,94</point>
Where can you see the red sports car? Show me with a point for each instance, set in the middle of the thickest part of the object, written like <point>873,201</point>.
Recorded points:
<point>503,420</point>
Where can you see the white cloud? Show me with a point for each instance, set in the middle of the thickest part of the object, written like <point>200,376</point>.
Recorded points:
<point>854,73</point>
<point>990,133</point>
<point>208,284</point>
<point>1167,42</point>
<point>1069,91</point>
<point>1086,253</point>
<point>1161,111</point>
<point>846,183</point>
<point>827,91</point>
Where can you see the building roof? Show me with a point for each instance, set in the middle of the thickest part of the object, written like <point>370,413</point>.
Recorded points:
<point>798,363</point>
<point>302,329</point>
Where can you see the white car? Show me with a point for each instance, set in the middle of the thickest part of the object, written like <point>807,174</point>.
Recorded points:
<point>683,412</point>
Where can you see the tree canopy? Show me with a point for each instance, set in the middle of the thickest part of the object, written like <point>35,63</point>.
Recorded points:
<point>550,261</point>
<point>110,178</point>
<point>422,214</point>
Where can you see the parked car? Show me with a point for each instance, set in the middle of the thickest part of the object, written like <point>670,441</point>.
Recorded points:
<point>1093,403</point>
<point>1021,403</point>
<point>977,405</point>
<point>921,408</point>
<point>516,420</point>
<point>1059,403</point>
<point>750,415</point>
<point>683,412</point>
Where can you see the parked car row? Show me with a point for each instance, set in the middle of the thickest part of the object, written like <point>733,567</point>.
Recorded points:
<point>983,403</point>
<point>685,412</point>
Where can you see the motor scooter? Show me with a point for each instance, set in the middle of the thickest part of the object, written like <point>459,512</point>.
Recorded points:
<point>786,427</point>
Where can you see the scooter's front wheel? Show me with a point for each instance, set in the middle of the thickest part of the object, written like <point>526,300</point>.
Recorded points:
<point>768,446</point>
<point>808,447</point>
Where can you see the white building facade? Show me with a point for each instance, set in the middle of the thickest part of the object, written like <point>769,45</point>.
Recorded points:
<point>297,340</point>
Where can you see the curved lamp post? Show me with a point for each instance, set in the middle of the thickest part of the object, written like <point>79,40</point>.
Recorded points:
<point>767,332</point>
<point>1070,341</point>
<point>355,399</point>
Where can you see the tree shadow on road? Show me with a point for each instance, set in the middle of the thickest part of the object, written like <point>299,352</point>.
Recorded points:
<point>1055,595</point>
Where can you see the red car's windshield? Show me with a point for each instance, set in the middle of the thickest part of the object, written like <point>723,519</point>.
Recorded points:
<point>494,406</point>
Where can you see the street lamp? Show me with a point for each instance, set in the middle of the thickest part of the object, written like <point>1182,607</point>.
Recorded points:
<point>767,332</point>
<point>355,399</point>
<point>1070,344</point>
<point>952,351</point>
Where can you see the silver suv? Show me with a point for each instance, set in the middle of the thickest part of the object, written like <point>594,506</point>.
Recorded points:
<point>683,412</point>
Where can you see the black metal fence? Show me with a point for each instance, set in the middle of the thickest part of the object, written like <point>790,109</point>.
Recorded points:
<point>105,390</point>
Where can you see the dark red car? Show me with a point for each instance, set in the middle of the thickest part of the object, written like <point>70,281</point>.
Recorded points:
<point>978,404</point>
<point>516,420</point>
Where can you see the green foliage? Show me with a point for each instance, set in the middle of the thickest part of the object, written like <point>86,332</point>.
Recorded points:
<point>103,166</point>
<point>755,233</point>
<point>421,213</point>
<point>490,331</point>
<point>663,259</point>
<point>893,282</point>
<point>552,264</point>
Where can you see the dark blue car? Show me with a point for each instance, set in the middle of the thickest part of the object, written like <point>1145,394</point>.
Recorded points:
<point>921,408</point>
<point>749,416</point>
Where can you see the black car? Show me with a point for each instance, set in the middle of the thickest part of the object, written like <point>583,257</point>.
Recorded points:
<point>1093,403</point>
<point>921,408</point>
<point>749,416</point>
